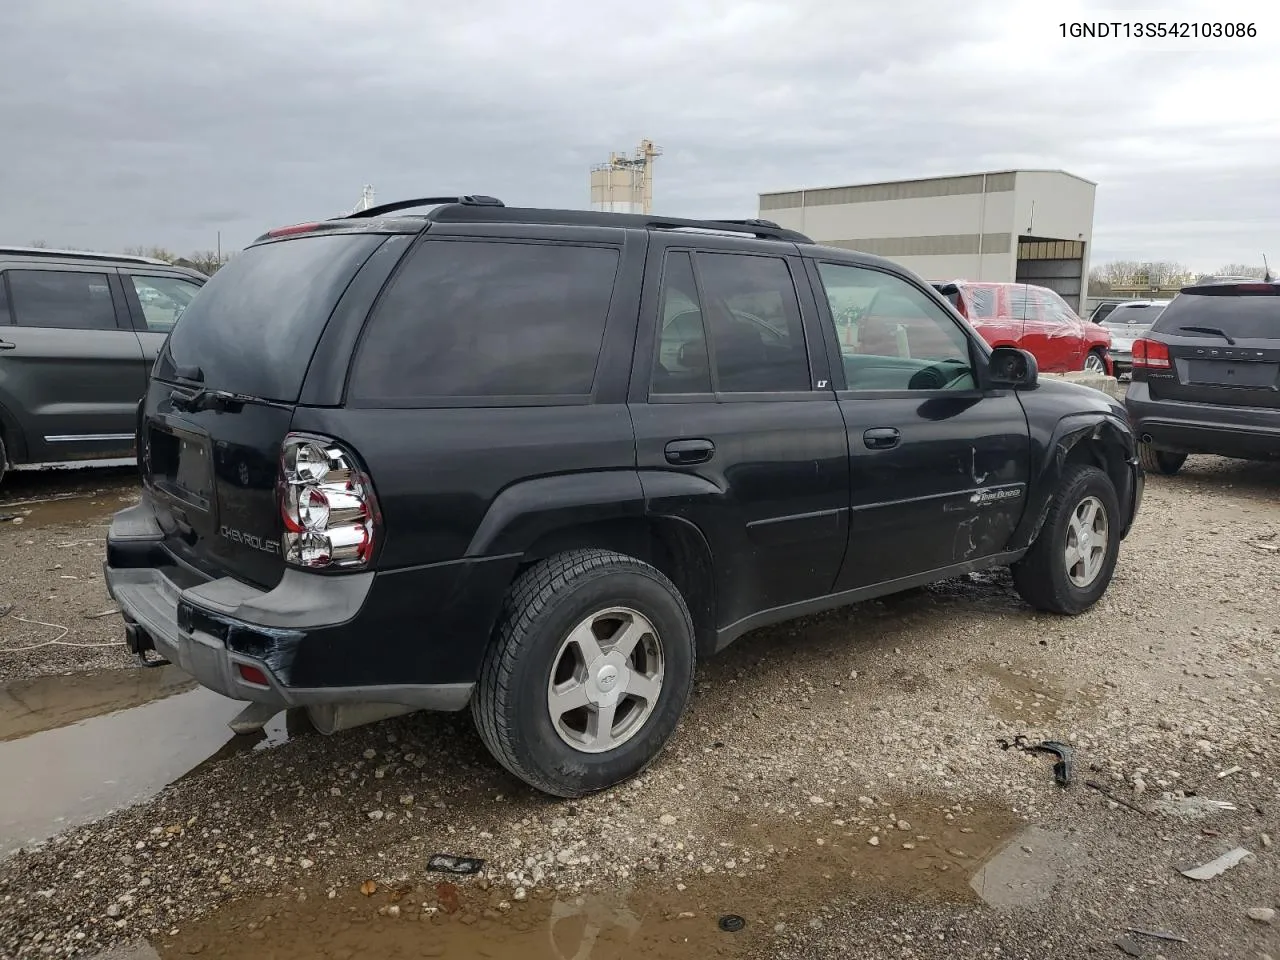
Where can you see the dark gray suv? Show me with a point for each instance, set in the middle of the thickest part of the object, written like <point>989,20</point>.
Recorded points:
<point>1206,376</point>
<point>78,335</point>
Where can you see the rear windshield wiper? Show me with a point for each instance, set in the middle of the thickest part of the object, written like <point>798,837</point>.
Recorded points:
<point>194,402</point>
<point>1214,330</point>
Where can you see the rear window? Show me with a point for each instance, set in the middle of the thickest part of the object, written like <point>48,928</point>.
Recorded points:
<point>1124,316</point>
<point>254,325</point>
<point>1242,317</point>
<point>484,319</point>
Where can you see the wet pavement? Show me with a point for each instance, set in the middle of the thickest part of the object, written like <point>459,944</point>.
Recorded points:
<point>74,748</point>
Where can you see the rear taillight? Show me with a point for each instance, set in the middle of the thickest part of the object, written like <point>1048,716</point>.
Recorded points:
<point>331,517</point>
<point>1150,355</point>
<point>294,229</point>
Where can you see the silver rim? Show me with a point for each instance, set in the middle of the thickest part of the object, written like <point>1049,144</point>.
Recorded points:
<point>1093,364</point>
<point>605,680</point>
<point>1087,538</point>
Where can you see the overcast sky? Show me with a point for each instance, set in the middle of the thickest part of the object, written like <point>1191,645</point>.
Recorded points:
<point>164,121</point>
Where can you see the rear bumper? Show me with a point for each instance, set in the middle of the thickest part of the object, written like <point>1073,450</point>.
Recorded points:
<point>213,628</point>
<point>1248,433</point>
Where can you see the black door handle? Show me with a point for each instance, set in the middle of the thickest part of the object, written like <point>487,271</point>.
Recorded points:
<point>6,345</point>
<point>881,438</point>
<point>682,452</point>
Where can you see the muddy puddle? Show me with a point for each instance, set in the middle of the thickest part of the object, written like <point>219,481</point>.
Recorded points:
<point>74,748</point>
<point>79,497</point>
<point>775,877</point>
<point>1028,696</point>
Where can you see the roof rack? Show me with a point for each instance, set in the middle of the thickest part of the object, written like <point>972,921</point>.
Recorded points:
<point>81,255</point>
<point>493,213</point>
<point>471,200</point>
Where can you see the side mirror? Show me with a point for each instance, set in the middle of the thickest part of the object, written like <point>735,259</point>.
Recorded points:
<point>1011,368</point>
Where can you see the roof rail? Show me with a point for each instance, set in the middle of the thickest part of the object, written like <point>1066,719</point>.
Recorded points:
<point>470,200</point>
<point>472,213</point>
<point>81,254</point>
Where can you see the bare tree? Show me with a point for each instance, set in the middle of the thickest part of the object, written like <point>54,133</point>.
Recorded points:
<point>1099,285</point>
<point>1240,270</point>
<point>206,261</point>
<point>39,244</point>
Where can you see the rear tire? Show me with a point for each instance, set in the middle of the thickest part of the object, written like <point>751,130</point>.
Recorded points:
<point>4,460</point>
<point>1160,461</point>
<point>1044,577</point>
<point>561,620</point>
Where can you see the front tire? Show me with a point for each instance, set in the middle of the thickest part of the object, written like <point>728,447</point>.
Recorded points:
<point>1070,565</point>
<point>1160,461</point>
<point>588,672</point>
<point>1095,362</point>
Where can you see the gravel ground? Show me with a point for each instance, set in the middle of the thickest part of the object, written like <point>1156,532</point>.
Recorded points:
<point>52,528</point>
<point>837,782</point>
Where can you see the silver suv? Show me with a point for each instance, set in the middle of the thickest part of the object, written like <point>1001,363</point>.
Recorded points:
<point>78,335</point>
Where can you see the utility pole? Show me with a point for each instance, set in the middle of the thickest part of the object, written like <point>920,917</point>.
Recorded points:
<point>219,246</point>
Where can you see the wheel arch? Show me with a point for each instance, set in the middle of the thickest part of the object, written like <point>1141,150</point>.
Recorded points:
<point>1093,439</point>
<point>606,510</point>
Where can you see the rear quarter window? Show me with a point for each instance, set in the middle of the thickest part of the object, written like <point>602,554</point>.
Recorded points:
<point>485,319</point>
<point>1243,317</point>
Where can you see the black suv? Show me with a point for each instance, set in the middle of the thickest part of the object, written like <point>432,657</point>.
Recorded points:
<point>78,335</point>
<point>1206,376</point>
<point>539,461</point>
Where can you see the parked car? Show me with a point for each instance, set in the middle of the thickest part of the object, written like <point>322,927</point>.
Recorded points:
<point>1103,309</point>
<point>539,462</point>
<point>1032,318</point>
<point>1127,322</point>
<point>78,335</point>
<point>1206,376</point>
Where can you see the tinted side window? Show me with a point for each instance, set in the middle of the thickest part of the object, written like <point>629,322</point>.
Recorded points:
<point>62,299</point>
<point>488,319</point>
<point>1242,316</point>
<point>4,301</point>
<point>163,299</point>
<point>894,337</point>
<point>757,339</point>
<point>680,364</point>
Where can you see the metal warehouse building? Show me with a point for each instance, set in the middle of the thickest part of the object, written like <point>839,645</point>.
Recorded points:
<point>1031,226</point>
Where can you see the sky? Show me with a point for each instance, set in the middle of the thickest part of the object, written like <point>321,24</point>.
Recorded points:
<point>155,122</point>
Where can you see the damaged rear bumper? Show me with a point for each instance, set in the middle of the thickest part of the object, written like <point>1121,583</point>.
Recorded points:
<point>238,639</point>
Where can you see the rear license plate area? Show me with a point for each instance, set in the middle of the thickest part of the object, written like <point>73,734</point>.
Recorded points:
<point>1233,373</point>
<point>180,467</point>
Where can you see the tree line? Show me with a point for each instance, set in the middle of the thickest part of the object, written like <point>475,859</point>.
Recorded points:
<point>1166,274</point>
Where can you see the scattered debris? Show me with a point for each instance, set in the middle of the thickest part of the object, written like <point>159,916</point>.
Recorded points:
<point>1061,769</point>
<point>446,863</point>
<point>1192,806</point>
<point>1262,914</point>
<point>1129,946</point>
<point>731,923</point>
<point>8,516</point>
<point>1222,775</point>
<point>1263,546</point>
<point>99,616</point>
<point>368,888</point>
<point>1158,934</point>
<point>1094,785</point>
<point>1216,867</point>
<point>5,608</point>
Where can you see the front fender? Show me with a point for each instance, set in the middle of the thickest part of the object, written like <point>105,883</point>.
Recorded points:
<point>1113,448</point>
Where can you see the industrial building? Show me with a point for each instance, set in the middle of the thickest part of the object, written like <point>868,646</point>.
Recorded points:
<point>1029,226</point>
<point>624,184</point>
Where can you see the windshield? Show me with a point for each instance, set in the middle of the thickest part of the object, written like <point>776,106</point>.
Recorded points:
<point>1244,317</point>
<point>256,323</point>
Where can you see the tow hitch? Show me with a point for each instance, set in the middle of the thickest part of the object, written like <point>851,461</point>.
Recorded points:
<point>138,642</point>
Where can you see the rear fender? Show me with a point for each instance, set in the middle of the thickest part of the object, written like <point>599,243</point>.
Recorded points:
<point>1095,438</point>
<point>529,511</point>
